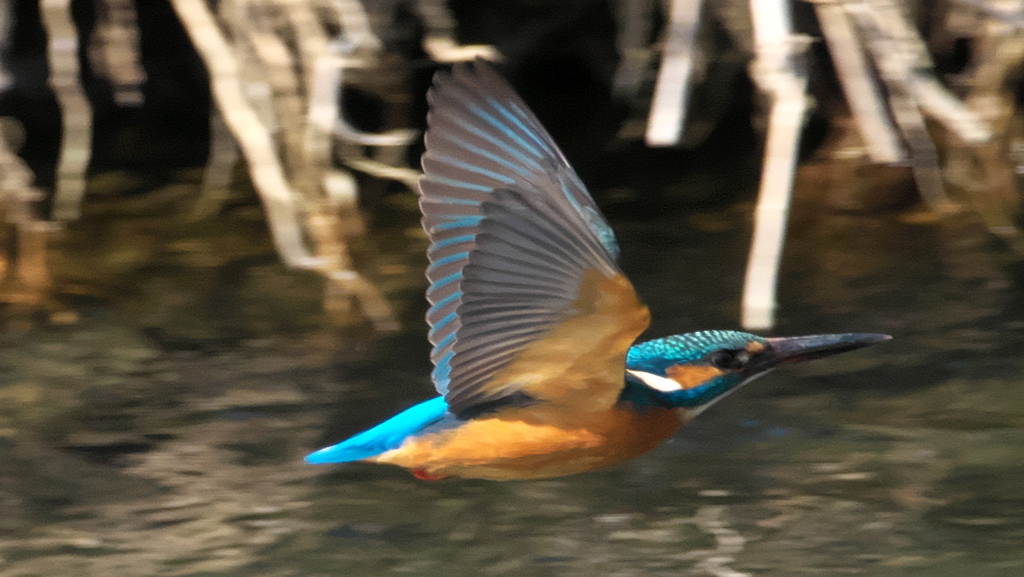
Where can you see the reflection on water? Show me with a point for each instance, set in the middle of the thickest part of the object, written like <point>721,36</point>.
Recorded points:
<point>166,438</point>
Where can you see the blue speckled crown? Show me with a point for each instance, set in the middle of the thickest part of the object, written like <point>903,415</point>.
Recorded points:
<point>658,355</point>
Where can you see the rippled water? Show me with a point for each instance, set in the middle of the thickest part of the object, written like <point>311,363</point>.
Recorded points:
<point>162,433</point>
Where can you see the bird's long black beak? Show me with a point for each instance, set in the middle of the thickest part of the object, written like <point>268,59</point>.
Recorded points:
<point>784,350</point>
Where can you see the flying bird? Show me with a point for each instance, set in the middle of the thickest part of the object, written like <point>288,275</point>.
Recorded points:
<point>533,323</point>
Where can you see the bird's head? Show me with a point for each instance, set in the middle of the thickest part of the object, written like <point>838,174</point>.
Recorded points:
<point>691,371</point>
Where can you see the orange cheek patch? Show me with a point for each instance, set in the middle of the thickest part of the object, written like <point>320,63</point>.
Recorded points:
<point>754,347</point>
<point>690,376</point>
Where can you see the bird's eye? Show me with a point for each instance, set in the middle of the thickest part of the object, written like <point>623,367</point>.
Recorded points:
<point>729,360</point>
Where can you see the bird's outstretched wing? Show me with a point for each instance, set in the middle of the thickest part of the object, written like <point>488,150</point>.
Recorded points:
<point>523,274</point>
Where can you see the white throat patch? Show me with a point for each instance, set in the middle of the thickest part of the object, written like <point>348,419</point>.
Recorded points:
<point>667,385</point>
<point>662,384</point>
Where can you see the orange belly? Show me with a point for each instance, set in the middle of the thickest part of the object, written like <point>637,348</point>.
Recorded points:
<point>532,442</point>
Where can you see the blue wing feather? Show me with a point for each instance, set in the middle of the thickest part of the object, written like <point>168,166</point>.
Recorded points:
<point>512,231</point>
<point>481,139</point>
<point>522,279</point>
<point>386,436</point>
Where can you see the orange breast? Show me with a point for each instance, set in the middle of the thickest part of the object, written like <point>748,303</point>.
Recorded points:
<point>534,442</point>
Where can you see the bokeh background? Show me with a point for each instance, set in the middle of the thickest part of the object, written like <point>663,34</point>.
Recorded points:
<point>165,363</point>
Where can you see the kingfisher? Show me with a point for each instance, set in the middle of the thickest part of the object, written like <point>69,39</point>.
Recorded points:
<point>532,321</point>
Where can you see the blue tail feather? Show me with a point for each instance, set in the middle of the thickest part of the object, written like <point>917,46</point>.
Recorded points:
<point>386,436</point>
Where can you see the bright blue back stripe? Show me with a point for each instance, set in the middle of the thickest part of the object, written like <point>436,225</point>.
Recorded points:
<point>386,436</point>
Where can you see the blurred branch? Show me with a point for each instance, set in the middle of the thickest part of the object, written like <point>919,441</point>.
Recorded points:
<point>114,50</point>
<point>987,172</point>
<point>862,93</point>
<point>24,274</point>
<point>671,91</point>
<point>76,113</point>
<point>439,40</point>
<point>780,71</point>
<point>250,133</point>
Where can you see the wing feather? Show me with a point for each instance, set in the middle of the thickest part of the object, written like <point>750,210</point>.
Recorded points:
<point>513,234</point>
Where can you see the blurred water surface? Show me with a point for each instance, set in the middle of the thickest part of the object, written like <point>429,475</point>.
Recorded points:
<point>162,434</point>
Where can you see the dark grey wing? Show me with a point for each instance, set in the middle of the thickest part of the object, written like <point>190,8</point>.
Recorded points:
<point>544,310</point>
<point>481,139</point>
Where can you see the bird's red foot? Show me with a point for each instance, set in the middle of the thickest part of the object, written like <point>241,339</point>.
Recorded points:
<point>423,475</point>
